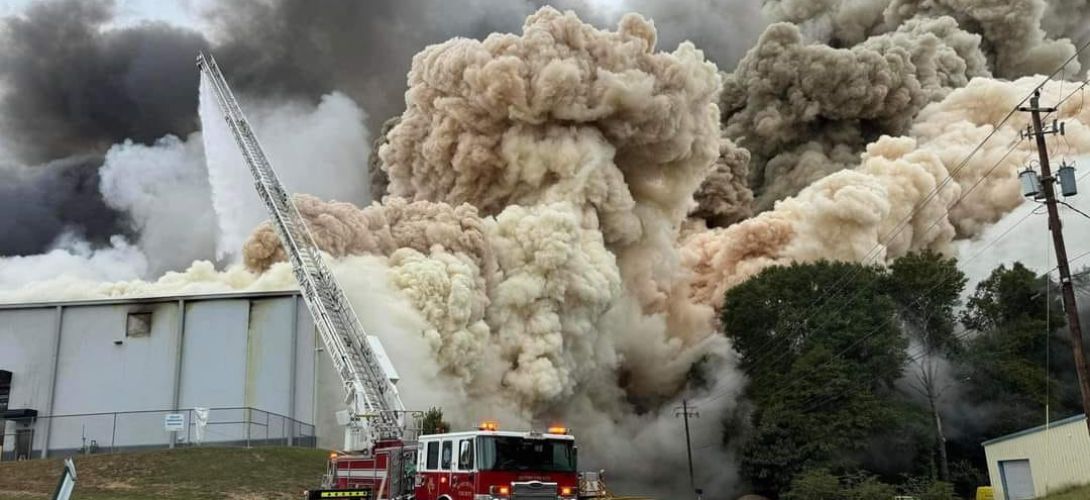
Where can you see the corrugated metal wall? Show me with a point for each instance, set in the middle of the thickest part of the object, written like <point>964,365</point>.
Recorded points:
<point>1059,456</point>
<point>236,351</point>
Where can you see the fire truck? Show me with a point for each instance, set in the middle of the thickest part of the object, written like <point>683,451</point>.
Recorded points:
<point>487,463</point>
<point>383,459</point>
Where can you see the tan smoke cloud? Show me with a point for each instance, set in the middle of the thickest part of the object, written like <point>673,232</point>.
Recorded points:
<point>725,197</point>
<point>546,312</point>
<point>450,294</point>
<point>377,174</point>
<point>806,110</point>
<point>565,112</point>
<point>858,214</point>
<point>1016,33</point>
<point>344,229</point>
<point>1011,29</point>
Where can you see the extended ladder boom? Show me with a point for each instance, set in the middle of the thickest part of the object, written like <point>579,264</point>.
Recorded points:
<point>374,406</point>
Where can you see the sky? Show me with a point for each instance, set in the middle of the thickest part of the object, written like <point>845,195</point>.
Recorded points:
<point>179,12</point>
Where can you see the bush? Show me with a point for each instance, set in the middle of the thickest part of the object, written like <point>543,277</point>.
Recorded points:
<point>815,484</point>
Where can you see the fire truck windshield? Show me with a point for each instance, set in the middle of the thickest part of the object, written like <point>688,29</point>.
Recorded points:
<point>516,453</point>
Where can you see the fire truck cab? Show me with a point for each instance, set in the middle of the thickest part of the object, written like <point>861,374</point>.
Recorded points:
<point>490,464</point>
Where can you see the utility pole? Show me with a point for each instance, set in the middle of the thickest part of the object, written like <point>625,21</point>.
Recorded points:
<point>1047,183</point>
<point>685,412</point>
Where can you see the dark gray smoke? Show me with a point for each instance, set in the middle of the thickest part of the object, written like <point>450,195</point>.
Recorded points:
<point>840,73</point>
<point>42,202</point>
<point>361,48</point>
<point>72,87</point>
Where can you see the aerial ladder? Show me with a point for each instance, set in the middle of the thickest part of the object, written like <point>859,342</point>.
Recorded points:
<point>374,412</point>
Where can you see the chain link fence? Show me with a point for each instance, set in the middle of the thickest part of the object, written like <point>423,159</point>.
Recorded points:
<point>108,432</point>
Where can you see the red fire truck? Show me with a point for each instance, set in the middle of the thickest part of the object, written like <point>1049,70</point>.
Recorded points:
<point>484,464</point>
<point>489,463</point>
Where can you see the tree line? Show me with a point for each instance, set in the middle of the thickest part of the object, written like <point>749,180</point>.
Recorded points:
<point>866,381</point>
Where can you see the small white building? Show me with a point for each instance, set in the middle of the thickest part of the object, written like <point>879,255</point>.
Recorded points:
<point>106,373</point>
<point>1038,461</point>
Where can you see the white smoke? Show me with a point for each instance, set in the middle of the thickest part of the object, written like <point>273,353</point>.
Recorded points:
<point>320,150</point>
<point>163,187</point>
<point>73,259</point>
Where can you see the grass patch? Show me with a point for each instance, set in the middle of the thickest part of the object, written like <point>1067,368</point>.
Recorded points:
<point>191,473</point>
<point>1073,493</point>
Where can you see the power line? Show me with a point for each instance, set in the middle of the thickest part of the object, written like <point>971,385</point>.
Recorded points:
<point>944,216</point>
<point>904,221</point>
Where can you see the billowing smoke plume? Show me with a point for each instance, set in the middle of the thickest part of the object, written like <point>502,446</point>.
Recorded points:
<point>1013,31</point>
<point>343,229</point>
<point>72,86</point>
<point>581,149</point>
<point>379,179</point>
<point>857,214</point>
<point>806,110</point>
<point>40,203</point>
<point>162,187</point>
<point>813,93</point>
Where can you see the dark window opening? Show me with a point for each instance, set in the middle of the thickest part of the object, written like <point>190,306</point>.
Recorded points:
<point>138,324</point>
<point>5,390</point>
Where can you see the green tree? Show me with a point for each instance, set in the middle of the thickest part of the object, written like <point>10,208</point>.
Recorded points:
<point>822,351</point>
<point>926,287</point>
<point>814,484</point>
<point>1015,316</point>
<point>433,422</point>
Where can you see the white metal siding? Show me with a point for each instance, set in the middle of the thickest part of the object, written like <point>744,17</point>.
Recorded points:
<point>1059,457</point>
<point>235,351</point>
<point>214,354</point>
<point>268,356</point>
<point>1017,479</point>
<point>26,350</point>
<point>138,372</point>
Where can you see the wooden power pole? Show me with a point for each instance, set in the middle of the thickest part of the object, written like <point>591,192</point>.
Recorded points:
<point>1048,183</point>
<point>685,412</point>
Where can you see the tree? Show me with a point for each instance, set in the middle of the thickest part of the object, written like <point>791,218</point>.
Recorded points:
<point>433,422</point>
<point>822,351</point>
<point>927,287</point>
<point>1015,316</point>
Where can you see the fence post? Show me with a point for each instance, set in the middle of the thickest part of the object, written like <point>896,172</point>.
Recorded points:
<point>249,420</point>
<point>284,431</point>
<point>266,428</point>
<point>113,433</point>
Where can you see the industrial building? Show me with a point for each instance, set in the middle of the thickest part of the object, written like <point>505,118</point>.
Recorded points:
<point>104,374</point>
<point>1035,462</point>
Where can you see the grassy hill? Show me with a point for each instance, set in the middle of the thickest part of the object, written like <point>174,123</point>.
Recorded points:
<point>1077,493</point>
<point>193,473</point>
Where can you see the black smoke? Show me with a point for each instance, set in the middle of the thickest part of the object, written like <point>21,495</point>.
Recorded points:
<point>42,202</point>
<point>73,87</point>
<point>73,84</point>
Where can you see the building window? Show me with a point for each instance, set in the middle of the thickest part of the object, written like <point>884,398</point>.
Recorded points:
<point>138,324</point>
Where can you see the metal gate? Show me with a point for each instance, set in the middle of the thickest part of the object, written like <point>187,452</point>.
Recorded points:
<point>1017,479</point>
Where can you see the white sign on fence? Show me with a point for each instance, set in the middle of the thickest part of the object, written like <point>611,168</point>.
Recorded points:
<point>174,422</point>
